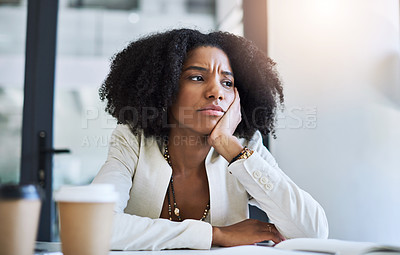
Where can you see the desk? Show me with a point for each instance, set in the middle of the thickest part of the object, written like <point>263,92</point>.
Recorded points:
<point>45,248</point>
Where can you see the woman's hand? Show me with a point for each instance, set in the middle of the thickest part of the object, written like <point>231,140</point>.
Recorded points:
<point>246,232</point>
<point>227,125</point>
<point>221,137</point>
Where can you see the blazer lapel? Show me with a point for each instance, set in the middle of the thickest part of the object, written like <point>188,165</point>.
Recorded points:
<point>150,181</point>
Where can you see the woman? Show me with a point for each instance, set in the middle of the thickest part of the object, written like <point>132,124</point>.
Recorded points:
<point>187,156</point>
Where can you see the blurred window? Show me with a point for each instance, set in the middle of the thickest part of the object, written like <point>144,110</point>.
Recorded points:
<point>107,4</point>
<point>13,15</point>
<point>200,6</point>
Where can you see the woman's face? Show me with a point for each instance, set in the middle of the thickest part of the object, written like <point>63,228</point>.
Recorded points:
<point>206,90</point>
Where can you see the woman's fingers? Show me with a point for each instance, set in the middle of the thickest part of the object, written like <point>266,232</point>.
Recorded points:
<point>246,232</point>
<point>276,237</point>
<point>233,116</point>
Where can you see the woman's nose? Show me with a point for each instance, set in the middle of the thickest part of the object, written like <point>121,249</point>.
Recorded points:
<point>215,90</point>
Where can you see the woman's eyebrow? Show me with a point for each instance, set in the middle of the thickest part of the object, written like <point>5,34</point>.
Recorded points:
<point>195,68</point>
<point>227,73</point>
<point>199,68</point>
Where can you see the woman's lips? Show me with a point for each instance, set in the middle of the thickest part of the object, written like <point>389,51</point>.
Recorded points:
<point>212,110</point>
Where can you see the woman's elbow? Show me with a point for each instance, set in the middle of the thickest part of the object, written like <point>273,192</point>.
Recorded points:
<point>321,227</point>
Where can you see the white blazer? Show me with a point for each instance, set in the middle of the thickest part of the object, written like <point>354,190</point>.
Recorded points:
<point>137,168</point>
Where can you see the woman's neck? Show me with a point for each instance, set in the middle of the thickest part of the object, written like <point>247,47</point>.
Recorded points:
<point>187,150</point>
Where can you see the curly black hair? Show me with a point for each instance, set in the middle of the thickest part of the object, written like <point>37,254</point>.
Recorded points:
<point>144,80</point>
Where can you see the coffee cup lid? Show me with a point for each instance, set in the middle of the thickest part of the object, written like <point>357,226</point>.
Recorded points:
<point>15,191</point>
<point>88,193</point>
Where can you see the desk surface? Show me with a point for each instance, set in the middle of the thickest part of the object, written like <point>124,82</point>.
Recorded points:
<point>46,248</point>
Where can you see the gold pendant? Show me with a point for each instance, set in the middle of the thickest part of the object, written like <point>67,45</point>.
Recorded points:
<point>176,211</point>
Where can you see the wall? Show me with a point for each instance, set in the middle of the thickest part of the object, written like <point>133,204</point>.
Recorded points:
<point>339,137</point>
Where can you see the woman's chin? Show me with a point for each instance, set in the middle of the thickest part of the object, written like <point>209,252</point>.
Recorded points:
<point>203,129</point>
<point>207,130</point>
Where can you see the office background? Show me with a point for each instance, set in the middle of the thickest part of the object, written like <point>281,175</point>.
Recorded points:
<point>338,136</point>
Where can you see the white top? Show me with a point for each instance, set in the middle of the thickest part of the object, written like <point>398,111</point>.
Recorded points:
<point>137,168</point>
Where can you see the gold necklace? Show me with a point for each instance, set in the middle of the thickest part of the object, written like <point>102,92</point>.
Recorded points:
<point>171,187</point>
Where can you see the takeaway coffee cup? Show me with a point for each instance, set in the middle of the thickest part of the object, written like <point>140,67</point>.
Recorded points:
<point>19,219</point>
<point>86,217</point>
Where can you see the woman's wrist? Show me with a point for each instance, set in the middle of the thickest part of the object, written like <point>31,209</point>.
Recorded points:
<point>216,236</point>
<point>227,145</point>
<point>244,154</point>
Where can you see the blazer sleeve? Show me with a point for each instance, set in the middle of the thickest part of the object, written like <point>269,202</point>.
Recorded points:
<point>131,232</point>
<point>293,211</point>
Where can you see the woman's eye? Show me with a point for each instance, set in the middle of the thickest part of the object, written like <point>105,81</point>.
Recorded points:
<point>228,83</point>
<point>196,78</point>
